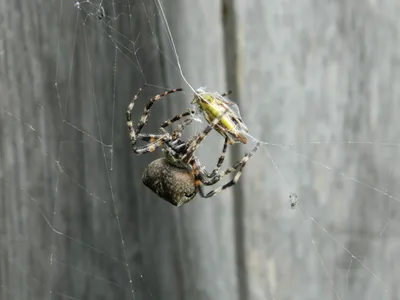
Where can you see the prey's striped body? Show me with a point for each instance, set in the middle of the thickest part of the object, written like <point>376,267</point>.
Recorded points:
<point>231,125</point>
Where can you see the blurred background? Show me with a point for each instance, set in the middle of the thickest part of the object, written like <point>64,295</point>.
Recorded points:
<point>316,81</point>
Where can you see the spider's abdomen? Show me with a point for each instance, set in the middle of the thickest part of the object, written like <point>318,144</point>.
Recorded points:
<point>173,184</point>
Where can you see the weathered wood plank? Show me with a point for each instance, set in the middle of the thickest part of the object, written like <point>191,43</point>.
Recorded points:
<point>68,198</point>
<point>325,72</point>
<point>302,71</point>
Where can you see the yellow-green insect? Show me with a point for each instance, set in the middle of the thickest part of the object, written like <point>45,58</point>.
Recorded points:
<point>212,105</point>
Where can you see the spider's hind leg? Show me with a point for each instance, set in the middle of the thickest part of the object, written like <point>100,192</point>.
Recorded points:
<point>238,166</point>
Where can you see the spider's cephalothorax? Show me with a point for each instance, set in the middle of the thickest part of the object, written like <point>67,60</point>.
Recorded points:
<point>212,105</point>
<point>180,155</point>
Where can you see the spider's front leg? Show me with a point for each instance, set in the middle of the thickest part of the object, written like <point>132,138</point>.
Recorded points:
<point>154,141</point>
<point>195,142</point>
<point>177,118</point>
<point>210,178</point>
<point>221,159</point>
<point>134,133</point>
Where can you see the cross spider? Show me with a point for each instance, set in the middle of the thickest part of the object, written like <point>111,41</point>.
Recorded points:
<point>179,176</point>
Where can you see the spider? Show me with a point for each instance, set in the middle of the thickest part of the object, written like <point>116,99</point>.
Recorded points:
<point>179,156</point>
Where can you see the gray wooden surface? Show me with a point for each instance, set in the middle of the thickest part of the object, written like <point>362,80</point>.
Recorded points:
<point>76,221</point>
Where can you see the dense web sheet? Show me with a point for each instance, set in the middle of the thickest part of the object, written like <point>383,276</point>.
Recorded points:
<point>339,240</point>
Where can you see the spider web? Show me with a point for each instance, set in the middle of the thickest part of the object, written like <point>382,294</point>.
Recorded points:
<point>78,224</point>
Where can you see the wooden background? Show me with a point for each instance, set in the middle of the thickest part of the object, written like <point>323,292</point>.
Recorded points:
<point>318,77</point>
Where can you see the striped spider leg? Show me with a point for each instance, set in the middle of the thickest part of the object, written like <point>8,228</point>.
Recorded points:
<point>171,177</point>
<point>154,140</point>
<point>201,177</point>
<point>180,164</point>
<point>238,166</point>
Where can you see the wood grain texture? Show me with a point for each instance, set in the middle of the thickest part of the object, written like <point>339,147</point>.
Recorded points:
<point>325,72</point>
<point>76,222</point>
<point>74,210</point>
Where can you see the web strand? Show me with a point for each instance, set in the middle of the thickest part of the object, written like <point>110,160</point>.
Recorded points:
<point>97,23</point>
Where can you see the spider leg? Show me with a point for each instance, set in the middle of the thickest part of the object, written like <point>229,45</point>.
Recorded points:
<point>238,165</point>
<point>177,118</point>
<point>217,168</point>
<point>147,108</point>
<point>149,137</point>
<point>200,178</point>
<point>154,140</point>
<point>175,142</point>
<point>177,132</point>
<point>133,133</point>
<point>221,158</point>
<point>201,173</point>
<point>195,143</point>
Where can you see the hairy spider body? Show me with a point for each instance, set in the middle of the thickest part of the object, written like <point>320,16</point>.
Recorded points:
<point>171,183</point>
<point>180,154</point>
<point>213,105</point>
